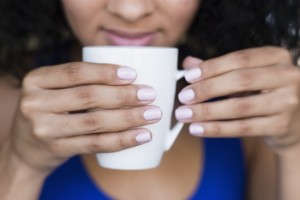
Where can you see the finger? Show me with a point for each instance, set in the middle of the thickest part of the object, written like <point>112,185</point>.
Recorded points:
<point>248,58</point>
<point>78,73</point>
<point>190,62</point>
<point>104,142</point>
<point>93,96</point>
<point>232,108</point>
<point>259,126</point>
<point>242,80</point>
<point>100,121</point>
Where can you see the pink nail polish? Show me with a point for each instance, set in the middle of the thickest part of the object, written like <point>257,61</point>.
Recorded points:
<point>183,113</point>
<point>126,73</point>
<point>193,75</point>
<point>153,114</point>
<point>146,94</point>
<point>143,137</point>
<point>196,129</point>
<point>186,96</point>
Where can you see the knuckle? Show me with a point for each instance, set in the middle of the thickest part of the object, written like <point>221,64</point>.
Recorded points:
<point>208,67</point>
<point>244,128</point>
<point>27,80</point>
<point>293,74</point>
<point>284,54</point>
<point>116,142</point>
<point>292,102</point>
<point>95,144</point>
<point>86,95</point>
<point>121,143</point>
<point>71,70</point>
<point>245,78</point>
<point>130,116</point>
<point>27,105</point>
<point>207,89</point>
<point>91,122</point>
<point>40,131</point>
<point>122,96</point>
<point>41,128</point>
<point>243,58</point>
<point>106,72</point>
<point>216,129</point>
<point>241,107</point>
<point>206,111</point>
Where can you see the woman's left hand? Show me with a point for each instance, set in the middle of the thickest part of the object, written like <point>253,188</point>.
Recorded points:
<point>260,96</point>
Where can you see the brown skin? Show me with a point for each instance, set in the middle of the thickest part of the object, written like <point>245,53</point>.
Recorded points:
<point>271,113</point>
<point>182,164</point>
<point>33,149</point>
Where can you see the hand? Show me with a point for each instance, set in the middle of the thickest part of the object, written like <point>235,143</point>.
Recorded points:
<point>260,96</point>
<point>79,108</point>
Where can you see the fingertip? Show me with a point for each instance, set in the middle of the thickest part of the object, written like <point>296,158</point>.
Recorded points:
<point>196,130</point>
<point>126,73</point>
<point>186,96</point>
<point>146,94</point>
<point>192,75</point>
<point>143,137</point>
<point>191,61</point>
<point>152,114</point>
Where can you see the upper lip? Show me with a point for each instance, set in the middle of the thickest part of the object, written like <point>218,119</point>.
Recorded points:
<point>129,34</point>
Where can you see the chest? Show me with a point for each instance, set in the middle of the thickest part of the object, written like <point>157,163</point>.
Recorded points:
<point>176,178</point>
<point>220,174</point>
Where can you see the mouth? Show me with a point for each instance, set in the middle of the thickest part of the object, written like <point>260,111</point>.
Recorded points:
<point>124,38</point>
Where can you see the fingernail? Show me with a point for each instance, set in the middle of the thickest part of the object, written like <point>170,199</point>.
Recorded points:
<point>183,113</point>
<point>146,94</point>
<point>196,129</point>
<point>126,73</point>
<point>143,137</point>
<point>193,75</point>
<point>152,114</point>
<point>186,95</point>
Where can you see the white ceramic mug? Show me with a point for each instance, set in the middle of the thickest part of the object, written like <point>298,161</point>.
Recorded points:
<point>156,67</point>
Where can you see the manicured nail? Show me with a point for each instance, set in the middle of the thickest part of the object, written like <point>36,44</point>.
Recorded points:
<point>146,94</point>
<point>193,75</point>
<point>126,73</point>
<point>196,129</point>
<point>152,114</point>
<point>186,95</point>
<point>143,137</point>
<point>183,113</point>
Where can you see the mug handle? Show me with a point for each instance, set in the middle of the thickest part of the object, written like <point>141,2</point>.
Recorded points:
<point>174,132</point>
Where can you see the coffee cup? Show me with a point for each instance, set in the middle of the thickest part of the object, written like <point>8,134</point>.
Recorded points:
<point>156,67</point>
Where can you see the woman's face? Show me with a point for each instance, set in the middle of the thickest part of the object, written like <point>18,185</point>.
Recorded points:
<point>130,22</point>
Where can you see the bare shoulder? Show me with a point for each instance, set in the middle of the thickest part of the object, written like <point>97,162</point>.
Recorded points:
<point>9,97</point>
<point>260,169</point>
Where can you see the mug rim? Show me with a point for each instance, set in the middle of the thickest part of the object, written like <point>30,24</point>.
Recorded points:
<point>129,47</point>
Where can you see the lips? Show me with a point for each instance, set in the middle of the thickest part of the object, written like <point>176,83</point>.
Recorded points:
<point>124,38</point>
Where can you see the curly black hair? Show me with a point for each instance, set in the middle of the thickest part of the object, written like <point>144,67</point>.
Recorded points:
<point>38,26</point>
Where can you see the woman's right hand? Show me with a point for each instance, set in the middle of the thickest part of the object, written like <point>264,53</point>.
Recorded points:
<point>80,108</point>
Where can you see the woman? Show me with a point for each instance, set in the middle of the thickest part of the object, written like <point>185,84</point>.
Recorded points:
<point>255,88</point>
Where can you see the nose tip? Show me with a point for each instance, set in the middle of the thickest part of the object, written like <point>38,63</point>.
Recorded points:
<point>130,10</point>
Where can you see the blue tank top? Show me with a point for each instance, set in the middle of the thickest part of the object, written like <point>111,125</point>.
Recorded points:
<point>223,176</point>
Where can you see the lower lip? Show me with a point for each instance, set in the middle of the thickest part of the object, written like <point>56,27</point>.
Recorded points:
<point>114,39</point>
